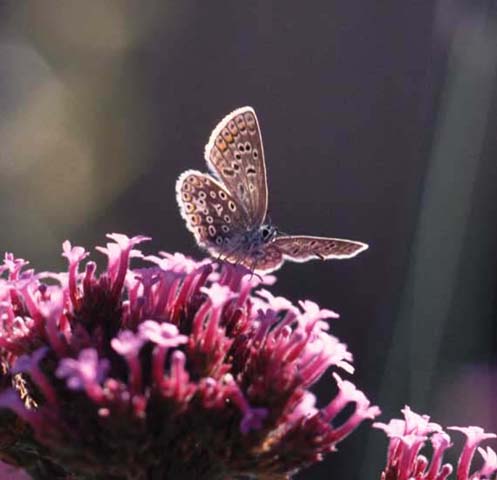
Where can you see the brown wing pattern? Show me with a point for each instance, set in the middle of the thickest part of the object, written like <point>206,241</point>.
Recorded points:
<point>271,260</point>
<point>300,248</point>
<point>268,260</point>
<point>235,154</point>
<point>210,212</point>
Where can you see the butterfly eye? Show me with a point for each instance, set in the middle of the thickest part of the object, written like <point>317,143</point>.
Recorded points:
<point>266,233</point>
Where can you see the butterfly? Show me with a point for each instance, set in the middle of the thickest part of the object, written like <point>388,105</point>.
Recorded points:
<point>227,210</point>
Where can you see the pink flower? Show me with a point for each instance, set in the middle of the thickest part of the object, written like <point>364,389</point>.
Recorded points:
<point>179,369</point>
<point>409,436</point>
<point>85,373</point>
<point>474,436</point>
<point>163,334</point>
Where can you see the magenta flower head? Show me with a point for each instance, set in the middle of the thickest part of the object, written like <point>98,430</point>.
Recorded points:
<point>409,436</point>
<point>177,369</point>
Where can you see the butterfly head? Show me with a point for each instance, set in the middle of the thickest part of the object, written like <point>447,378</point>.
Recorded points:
<point>253,240</point>
<point>268,232</point>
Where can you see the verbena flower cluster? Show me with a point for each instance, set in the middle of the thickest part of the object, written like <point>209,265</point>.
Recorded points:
<point>409,436</point>
<point>176,370</point>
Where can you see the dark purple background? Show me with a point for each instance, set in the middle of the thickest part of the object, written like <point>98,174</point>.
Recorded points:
<point>379,125</point>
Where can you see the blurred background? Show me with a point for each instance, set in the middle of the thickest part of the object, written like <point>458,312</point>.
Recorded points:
<point>379,124</point>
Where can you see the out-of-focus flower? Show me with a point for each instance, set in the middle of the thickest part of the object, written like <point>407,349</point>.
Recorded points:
<point>174,370</point>
<point>409,436</point>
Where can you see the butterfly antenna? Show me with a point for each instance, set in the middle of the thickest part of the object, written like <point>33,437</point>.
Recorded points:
<point>277,230</point>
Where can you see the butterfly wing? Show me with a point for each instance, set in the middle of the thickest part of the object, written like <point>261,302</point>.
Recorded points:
<point>220,213</point>
<point>300,248</point>
<point>268,259</point>
<point>211,213</point>
<point>235,154</point>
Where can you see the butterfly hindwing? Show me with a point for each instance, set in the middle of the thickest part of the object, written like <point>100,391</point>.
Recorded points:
<point>270,259</point>
<point>300,248</point>
<point>210,212</point>
<point>235,154</point>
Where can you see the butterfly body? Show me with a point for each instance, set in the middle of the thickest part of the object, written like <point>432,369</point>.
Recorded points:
<point>252,242</point>
<point>227,211</point>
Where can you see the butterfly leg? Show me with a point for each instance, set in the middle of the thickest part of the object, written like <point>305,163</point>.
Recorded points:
<point>225,253</point>
<point>235,257</point>
<point>252,268</point>
<point>239,258</point>
<point>257,256</point>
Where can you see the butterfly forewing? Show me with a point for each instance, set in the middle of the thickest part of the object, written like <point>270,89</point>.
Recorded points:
<point>210,212</point>
<point>235,154</point>
<point>300,248</point>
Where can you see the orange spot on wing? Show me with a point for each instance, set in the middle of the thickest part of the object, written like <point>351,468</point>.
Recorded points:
<point>227,136</point>
<point>221,144</point>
